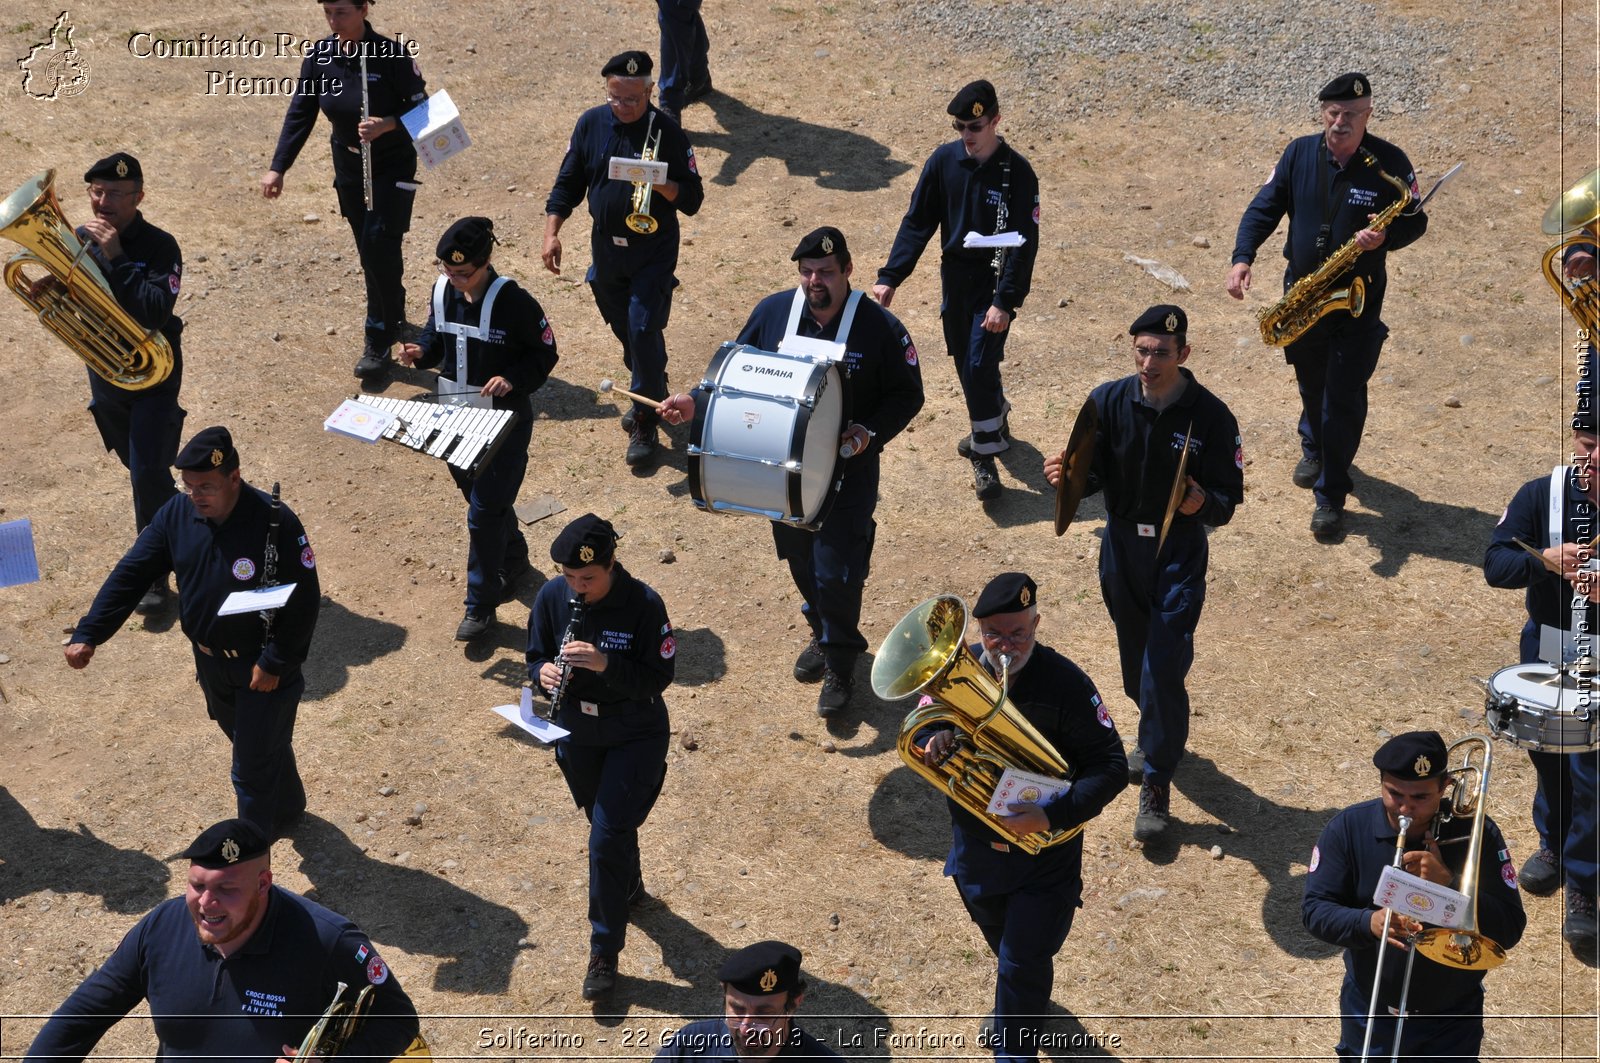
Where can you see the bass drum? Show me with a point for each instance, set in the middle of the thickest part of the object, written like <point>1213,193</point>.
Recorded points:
<point>1544,710</point>
<point>766,436</point>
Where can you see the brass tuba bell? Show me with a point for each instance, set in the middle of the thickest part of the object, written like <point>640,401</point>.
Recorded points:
<point>1576,208</point>
<point>79,307</point>
<point>926,654</point>
<point>339,1023</point>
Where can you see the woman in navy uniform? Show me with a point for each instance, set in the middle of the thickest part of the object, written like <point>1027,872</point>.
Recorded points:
<point>618,657</point>
<point>492,330</point>
<point>330,77</point>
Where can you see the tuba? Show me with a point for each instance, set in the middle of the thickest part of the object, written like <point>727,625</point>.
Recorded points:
<point>79,307</point>
<point>925,654</point>
<point>1313,296</point>
<point>640,220</point>
<point>1577,208</point>
<point>338,1024</point>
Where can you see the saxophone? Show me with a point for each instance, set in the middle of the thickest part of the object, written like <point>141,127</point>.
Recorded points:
<point>1313,296</point>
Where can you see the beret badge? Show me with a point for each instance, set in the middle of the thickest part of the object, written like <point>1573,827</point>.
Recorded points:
<point>216,458</point>
<point>457,257</point>
<point>1025,597</point>
<point>586,554</point>
<point>633,66</point>
<point>1423,767</point>
<point>769,980</point>
<point>827,245</point>
<point>230,851</point>
<point>122,167</point>
<point>1172,322</point>
<point>977,109</point>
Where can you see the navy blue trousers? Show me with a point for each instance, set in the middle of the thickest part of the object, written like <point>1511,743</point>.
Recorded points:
<point>1332,364</point>
<point>1155,603</point>
<point>1452,1038</point>
<point>616,786</point>
<point>685,50</point>
<point>142,428</point>
<point>378,235</point>
<point>495,543</point>
<point>635,298</point>
<point>977,353</point>
<point>829,566</point>
<point>261,727</point>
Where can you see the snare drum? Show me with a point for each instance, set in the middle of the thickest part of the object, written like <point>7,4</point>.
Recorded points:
<point>766,436</point>
<point>1544,710</point>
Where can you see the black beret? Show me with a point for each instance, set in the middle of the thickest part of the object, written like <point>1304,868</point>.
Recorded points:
<point>1009,592</point>
<point>468,240</point>
<point>211,450</point>
<point>1346,87</point>
<point>227,843</point>
<point>586,541</point>
<point>628,65</point>
<point>762,969</point>
<point>976,100</point>
<point>1162,320</point>
<point>118,167</point>
<point>1413,756</point>
<point>819,243</point>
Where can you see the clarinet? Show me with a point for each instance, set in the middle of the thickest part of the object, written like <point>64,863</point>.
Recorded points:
<point>1001,216</point>
<point>558,697</point>
<point>269,563</point>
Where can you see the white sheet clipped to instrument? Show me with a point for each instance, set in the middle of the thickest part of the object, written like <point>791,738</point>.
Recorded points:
<point>1414,896</point>
<point>458,392</point>
<point>523,716</point>
<point>798,346</point>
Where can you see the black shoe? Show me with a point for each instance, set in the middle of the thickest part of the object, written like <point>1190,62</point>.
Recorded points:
<point>1154,802</point>
<point>1540,874</point>
<point>286,824</point>
<point>1579,928</point>
<point>373,364</point>
<point>601,978</point>
<point>1327,522</point>
<point>1136,765</point>
<point>985,479</point>
<point>964,447</point>
<point>642,445</point>
<point>697,90</point>
<point>1306,472</point>
<point>835,694</point>
<point>155,599</point>
<point>474,626</point>
<point>627,421</point>
<point>809,666</point>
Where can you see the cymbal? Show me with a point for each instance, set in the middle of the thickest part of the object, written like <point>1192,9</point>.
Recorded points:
<point>1574,208</point>
<point>1074,482</point>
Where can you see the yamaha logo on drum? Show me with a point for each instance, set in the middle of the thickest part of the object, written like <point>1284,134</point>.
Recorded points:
<point>787,374</point>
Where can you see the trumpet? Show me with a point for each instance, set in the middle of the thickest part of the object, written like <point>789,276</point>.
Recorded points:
<point>640,220</point>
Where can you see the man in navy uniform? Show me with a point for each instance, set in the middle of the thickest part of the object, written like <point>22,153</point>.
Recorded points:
<point>882,386</point>
<point>237,968</point>
<point>1329,185</point>
<point>632,259</point>
<point>1566,799</point>
<point>1023,903</point>
<point>495,348</point>
<point>144,268</point>
<point>1154,591</point>
<point>762,988</point>
<point>685,55</point>
<point>600,644</point>
<point>979,184</point>
<point>1444,1018</point>
<point>217,536</point>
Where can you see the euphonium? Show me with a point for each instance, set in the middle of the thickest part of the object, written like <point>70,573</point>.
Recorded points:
<point>640,220</point>
<point>79,307</point>
<point>1464,947</point>
<point>926,654</point>
<point>338,1024</point>
<point>1577,208</point>
<point>1313,297</point>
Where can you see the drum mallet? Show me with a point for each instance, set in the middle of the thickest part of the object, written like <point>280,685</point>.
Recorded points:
<point>607,387</point>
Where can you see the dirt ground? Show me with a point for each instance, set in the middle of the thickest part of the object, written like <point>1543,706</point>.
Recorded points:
<point>774,823</point>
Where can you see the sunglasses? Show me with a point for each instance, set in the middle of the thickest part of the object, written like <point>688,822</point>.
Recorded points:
<point>969,127</point>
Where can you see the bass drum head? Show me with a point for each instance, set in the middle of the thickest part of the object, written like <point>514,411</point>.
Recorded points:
<point>1539,708</point>
<point>819,458</point>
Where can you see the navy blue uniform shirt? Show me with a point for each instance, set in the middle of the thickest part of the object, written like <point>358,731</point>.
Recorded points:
<point>596,138</point>
<point>709,1039</point>
<point>957,195</point>
<point>1505,564</point>
<point>248,1006</point>
<point>331,82</point>
<point>1136,454</point>
<point>145,279</point>
<point>881,378</point>
<point>211,562</point>
<point>1355,847</point>
<point>1308,185</point>
<point>520,347</point>
<point>630,626</point>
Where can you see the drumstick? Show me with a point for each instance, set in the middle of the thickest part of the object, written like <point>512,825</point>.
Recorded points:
<point>1545,561</point>
<point>606,387</point>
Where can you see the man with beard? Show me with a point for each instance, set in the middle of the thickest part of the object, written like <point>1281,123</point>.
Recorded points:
<point>761,989</point>
<point>237,968</point>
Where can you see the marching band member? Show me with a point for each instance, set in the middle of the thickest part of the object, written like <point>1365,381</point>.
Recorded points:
<point>685,56</point>
<point>215,536</point>
<point>330,76</point>
<point>980,184</point>
<point>1444,1018</point>
<point>630,271</point>
<point>491,340</point>
<point>1024,904</point>
<point>237,968</point>
<point>762,988</point>
<point>1330,197</point>
<point>1155,592</point>
<point>606,679</point>
<point>882,391</point>
<point>1566,798</point>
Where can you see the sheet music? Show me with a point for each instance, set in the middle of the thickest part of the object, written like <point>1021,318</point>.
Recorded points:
<point>523,716</point>
<point>18,563</point>
<point>975,239</point>
<point>253,601</point>
<point>1425,901</point>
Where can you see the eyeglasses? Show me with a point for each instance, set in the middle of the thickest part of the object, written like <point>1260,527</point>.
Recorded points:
<point>969,127</point>
<point>458,274</point>
<point>625,101</point>
<point>201,490</point>
<point>1010,638</point>
<point>111,195</point>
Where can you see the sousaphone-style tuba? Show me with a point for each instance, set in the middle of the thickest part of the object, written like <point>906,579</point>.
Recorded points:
<point>925,654</point>
<point>1575,209</point>
<point>79,307</point>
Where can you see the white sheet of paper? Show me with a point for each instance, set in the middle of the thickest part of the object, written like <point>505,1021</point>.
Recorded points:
<point>636,170</point>
<point>1425,901</point>
<point>357,420</point>
<point>811,347</point>
<point>1016,785</point>
<point>523,716</point>
<point>997,240</point>
<point>257,600</point>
